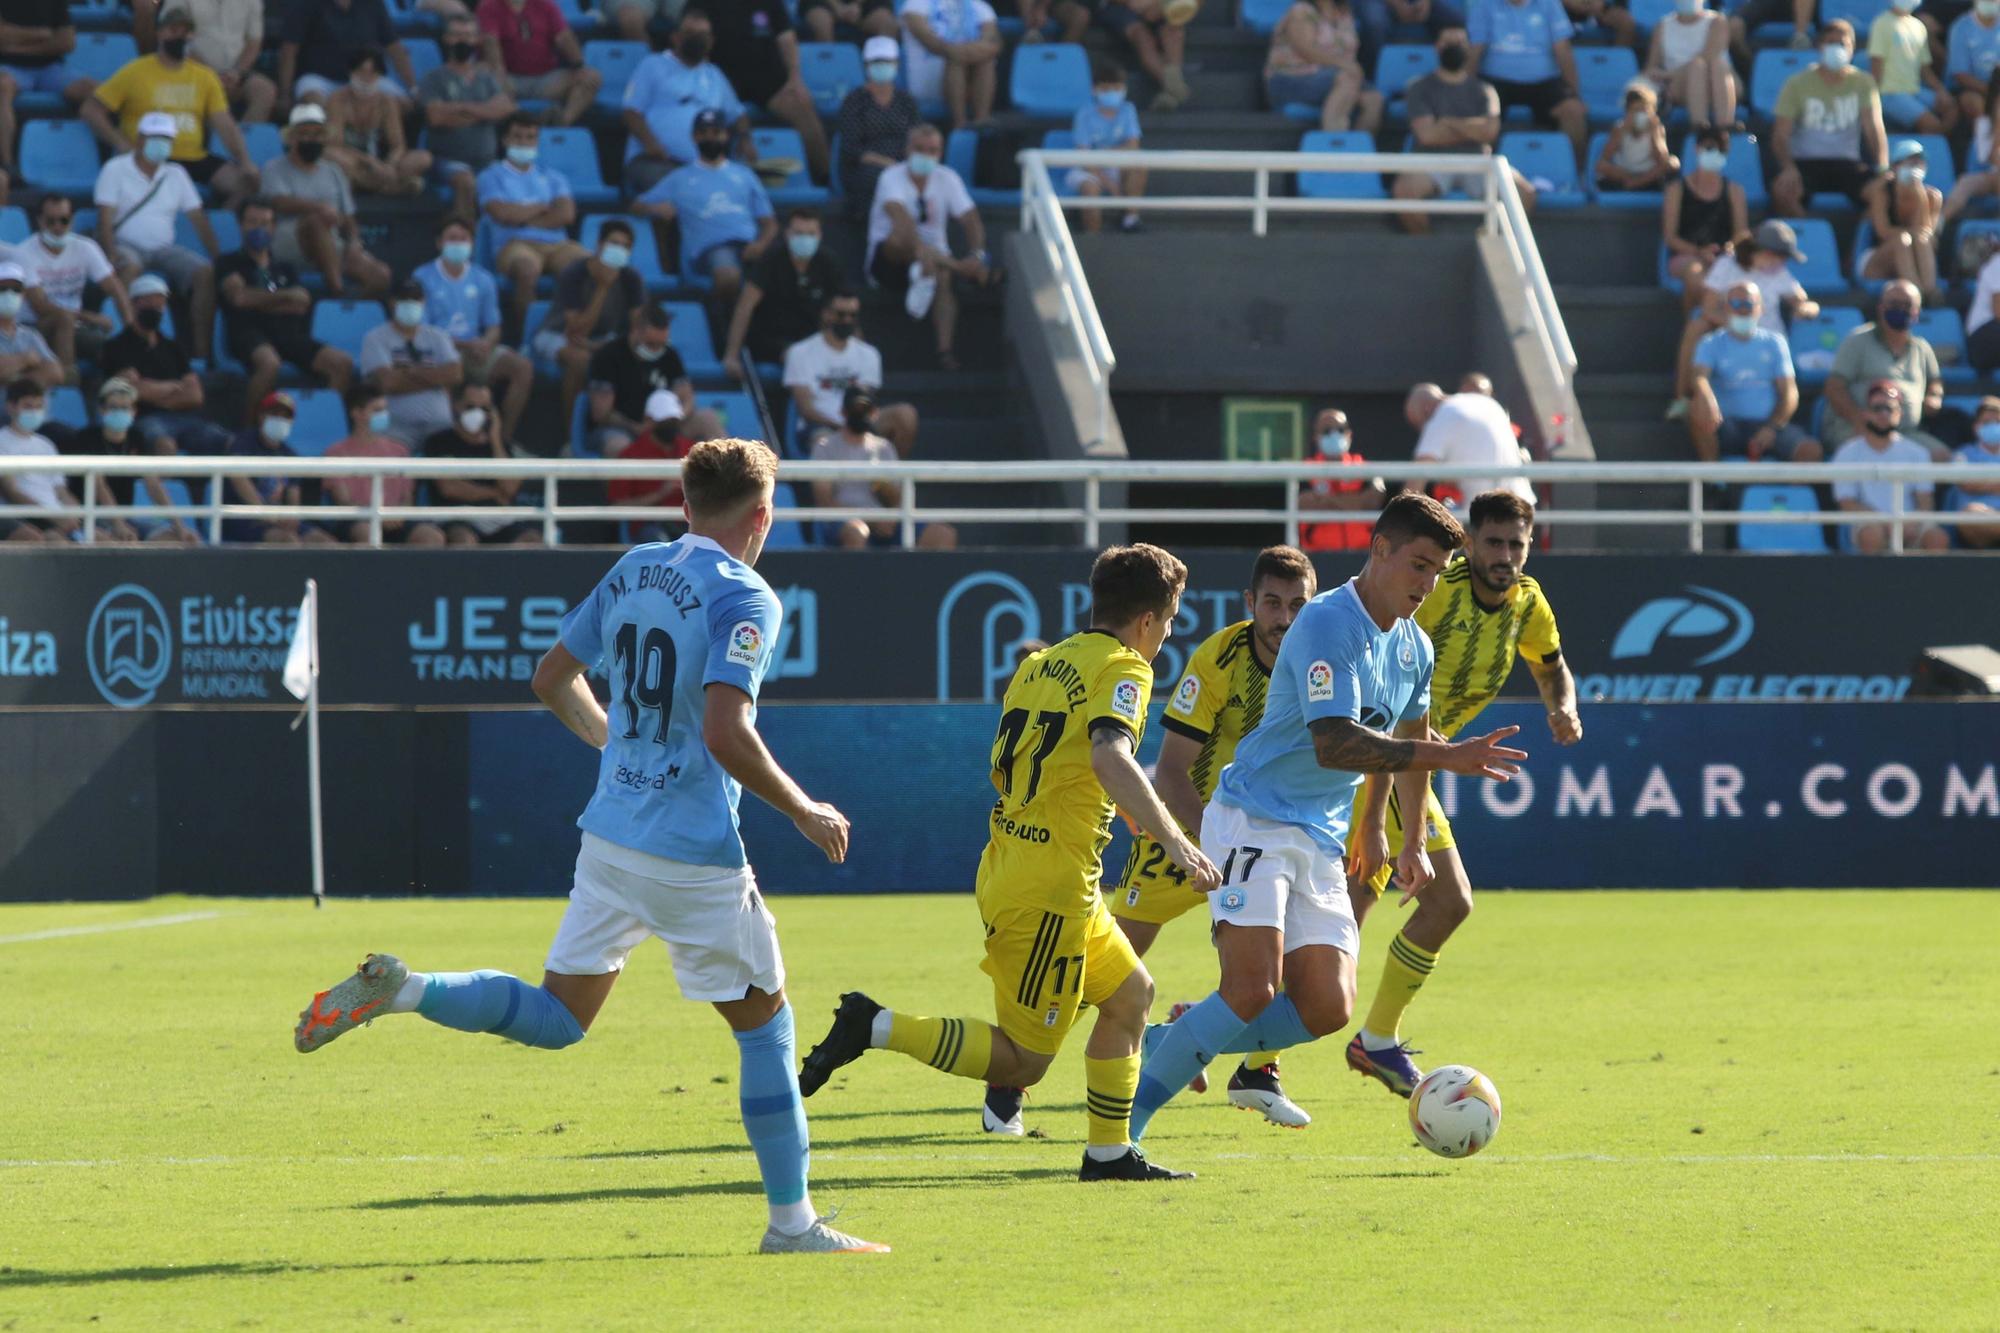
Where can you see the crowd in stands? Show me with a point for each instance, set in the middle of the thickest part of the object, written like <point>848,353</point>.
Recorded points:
<point>238,155</point>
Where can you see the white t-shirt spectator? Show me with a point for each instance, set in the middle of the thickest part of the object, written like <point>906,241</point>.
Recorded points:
<point>943,198</point>
<point>122,189</point>
<point>1981,309</point>
<point>951,21</point>
<point>835,447</point>
<point>1472,428</point>
<point>1880,496</point>
<point>815,364</point>
<point>1775,285</point>
<point>40,488</point>
<point>60,274</point>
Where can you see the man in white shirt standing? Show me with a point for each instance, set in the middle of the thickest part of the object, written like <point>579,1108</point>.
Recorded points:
<point>819,371</point>
<point>909,245</point>
<point>59,264</point>
<point>1464,428</point>
<point>1880,442</point>
<point>139,196</point>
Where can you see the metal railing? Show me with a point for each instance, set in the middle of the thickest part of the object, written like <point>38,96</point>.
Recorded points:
<point>550,511</point>
<point>1498,205</point>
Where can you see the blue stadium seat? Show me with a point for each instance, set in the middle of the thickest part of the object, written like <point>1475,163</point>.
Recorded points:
<point>530,325</point>
<point>1649,14</point>
<point>99,55</point>
<point>344,324</point>
<point>1860,13</point>
<point>1604,71</point>
<point>177,493</point>
<point>786,534</point>
<point>836,192</point>
<point>690,337</point>
<point>1056,141</point>
<point>424,57</point>
<point>585,21</point>
<point>737,410</point>
<point>264,142</point>
<point>109,309</point>
<point>59,156</point>
<point>1263,16</point>
<point>66,407</point>
<point>831,70</point>
<point>573,152</point>
<point>1770,69</point>
<point>13,225</point>
<point>1946,332</point>
<point>409,21</point>
<point>1939,168</point>
<point>776,142</point>
<point>645,250</point>
<point>1545,157</point>
<point>961,154</point>
<point>1820,274</point>
<point>1050,80</point>
<point>1339,184</point>
<point>1970,227</point>
<point>321,422</point>
<point>228,231</point>
<point>220,358</point>
<point>1635,201</point>
<point>1802,538</point>
<point>1814,342</point>
<point>1397,65</point>
<point>615,61</point>
<point>1745,167</point>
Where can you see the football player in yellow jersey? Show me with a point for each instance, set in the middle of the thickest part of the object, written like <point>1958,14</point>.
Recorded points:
<point>1483,612</point>
<point>1219,699</point>
<point>1064,754</point>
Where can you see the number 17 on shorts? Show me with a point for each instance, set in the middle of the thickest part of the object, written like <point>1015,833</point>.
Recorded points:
<point>1274,875</point>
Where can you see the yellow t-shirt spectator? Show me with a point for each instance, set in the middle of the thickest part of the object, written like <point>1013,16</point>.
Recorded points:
<point>190,94</point>
<point>1903,45</point>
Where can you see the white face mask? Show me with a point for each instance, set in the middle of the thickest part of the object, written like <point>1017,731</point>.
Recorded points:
<point>57,241</point>
<point>10,304</point>
<point>472,420</point>
<point>1987,9</point>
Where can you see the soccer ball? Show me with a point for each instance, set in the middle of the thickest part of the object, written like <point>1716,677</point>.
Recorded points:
<point>1455,1111</point>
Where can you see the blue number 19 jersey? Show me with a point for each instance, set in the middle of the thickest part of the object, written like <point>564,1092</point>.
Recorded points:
<point>667,621</point>
<point>1333,662</point>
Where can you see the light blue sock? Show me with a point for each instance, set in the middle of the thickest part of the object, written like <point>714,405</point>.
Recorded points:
<point>773,1114</point>
<point>505,1006</point>
<point>1276,1028</point>
<point>1191,1041</point>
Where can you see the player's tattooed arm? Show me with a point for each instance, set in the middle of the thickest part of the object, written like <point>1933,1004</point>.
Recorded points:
<point>1558,689</point>
<point>1343,743</point>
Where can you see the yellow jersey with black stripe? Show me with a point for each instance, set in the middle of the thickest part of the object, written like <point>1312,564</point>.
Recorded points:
<point>1052,820</point>
<point>1476,643</point>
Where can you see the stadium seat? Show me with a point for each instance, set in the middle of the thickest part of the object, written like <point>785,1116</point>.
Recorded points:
<point>615,61</point>
<point>109,309</point>
<point>1820,273</point>
<point>530,323</point>
<point>690,337</point>
<point>1944,329</point>
<point>1649,14</point>
<point>1056,141</point>
<point>1814,342</point>
<point>1860,13</point>
<point>1050,80</point>
<point>786,534</point>
<point>961,154</point>
<point>220,358</point>
<point>264,142</point>
<point>831,70</point>
<point>645,250</point>
<point>344,324</point>
<point>1339,184</point>
<point>798,188</point>
<point>1768,72</point>
<point>228,231</point>
<point>424,57</point>
<point>410,21</point>
<point>13,225</point>
<point>66,407</point>
<point>738,411</point>
<point>1604,71</point>
<point>178,494</point>
<point>1745,167</point>
<point>1971,227</point>
<point>1803,538</point>
<point>573,152</point>
<point>835,191</point>
<point>320,423</point>
<point>99,55</point>
<point>1262,16</point>
<point>1939,167</point>
<point>1636,201</point>
<point>59,156</point>
<point>1545,158</point>
<point>1397,65</point>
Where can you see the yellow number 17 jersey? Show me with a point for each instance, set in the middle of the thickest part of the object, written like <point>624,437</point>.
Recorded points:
<point>1052,820</point>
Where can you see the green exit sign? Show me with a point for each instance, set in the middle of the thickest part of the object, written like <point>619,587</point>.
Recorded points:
<point>1262,430</point>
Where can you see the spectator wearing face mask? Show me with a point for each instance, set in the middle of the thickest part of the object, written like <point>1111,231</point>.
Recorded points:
<point>1745,391</point>
<point>1879,441</point>
<point>857,442</point>
<point>595,298</point>
<point>265,440</point>
<point>909,241</point>
<point>168,83</point>
<point>725,215</point>
<point>1703,211</point>
<point>661,440</point>
<point>1108,122</point>
<point>463,105</point>
<point>1899,60</point>
<point>1905,214</point>
<point>170,393</point>
<point>1522,48</point>
<point>1972,54</point>
<point>874,124</point>
<point>471,432</point>
<point>314,202</point>
<point>782,294</point>
<point>266,312</point>
<point>1887,349</point>
<point>364,133</point>
<point>140,196</point>
<point>414,364</point>
<point>757,50</point>
<point>59,264</point>
<point>1635,155</point>
<point>113,435</point>
<point>625,374</point>
<point>1688,62</point>
<point>532,41</point>
<point>531,209</point>
<point>1762,259</point>
<point>367,424</point>
<point>27,409</point>
<point>462,299</point>
<point>1979,491</point>
<point>1827,135</point>
<point>668,90</point>
<point>819,370</point>
<point>1451,110</point>
<point>23,352</point>
<point>1345,490</point>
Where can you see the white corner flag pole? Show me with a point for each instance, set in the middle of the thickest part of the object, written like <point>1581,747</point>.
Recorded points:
<point>302,679</point>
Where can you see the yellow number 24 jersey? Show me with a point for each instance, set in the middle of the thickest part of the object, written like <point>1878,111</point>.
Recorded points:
<point>1476,643</point>
<point>1052,821</point>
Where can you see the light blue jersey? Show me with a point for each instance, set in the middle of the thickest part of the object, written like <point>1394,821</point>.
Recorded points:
<point>1333,662</point>
<point>667,621</point>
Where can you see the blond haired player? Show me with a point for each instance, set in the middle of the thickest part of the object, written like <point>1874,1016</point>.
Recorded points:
<point>1064,753</point>
<point>1483,613</point>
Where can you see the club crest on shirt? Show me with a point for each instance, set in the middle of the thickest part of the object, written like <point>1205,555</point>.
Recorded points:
<point>1125,700</point>
<point>1319,681</point>
<point>745,641</point>
<point>1185,696</point>
<point>1407,655</point>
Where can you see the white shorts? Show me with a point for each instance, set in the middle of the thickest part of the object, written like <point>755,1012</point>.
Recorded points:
<point>712,919</point>
<point>1276,875</point>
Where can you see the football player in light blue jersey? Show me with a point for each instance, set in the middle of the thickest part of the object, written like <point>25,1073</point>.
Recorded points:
<point>1349,695</point>
<point>685,631</point>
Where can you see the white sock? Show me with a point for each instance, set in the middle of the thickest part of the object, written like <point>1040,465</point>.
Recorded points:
<point>790,1219</point>
<point>878,1035</point>
<point>1101,1152</point>
<point>1375,1041</point>
<point>412,991</point>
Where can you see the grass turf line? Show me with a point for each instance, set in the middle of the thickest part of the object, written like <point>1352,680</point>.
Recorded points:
<point>1771,1109</point>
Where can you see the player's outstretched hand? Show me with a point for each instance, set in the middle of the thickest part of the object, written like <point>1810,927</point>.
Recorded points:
<point>1485,757</point>
<point>1203,877</point>
<point>1566,727</point>
<point>826,829</point>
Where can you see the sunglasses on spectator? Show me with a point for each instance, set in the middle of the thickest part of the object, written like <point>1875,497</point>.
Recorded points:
<point>1742,306</point>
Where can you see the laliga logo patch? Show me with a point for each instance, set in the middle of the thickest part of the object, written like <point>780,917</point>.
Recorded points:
<point>1232,900</point>
<point>1319,681</point>
<point>1185,696</point>
<point>1125,700</point>
<point>745,641</point>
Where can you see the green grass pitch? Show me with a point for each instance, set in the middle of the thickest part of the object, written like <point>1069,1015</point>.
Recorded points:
<point>1722,1110</point>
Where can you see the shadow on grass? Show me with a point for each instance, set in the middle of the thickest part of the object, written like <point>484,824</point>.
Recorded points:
<point>958,1139</point>
<point>936,1180</point>
<point>84,1277</point>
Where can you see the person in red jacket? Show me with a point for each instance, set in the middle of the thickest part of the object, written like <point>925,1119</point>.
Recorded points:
<point>1333,441</point>
<point>662,439</point>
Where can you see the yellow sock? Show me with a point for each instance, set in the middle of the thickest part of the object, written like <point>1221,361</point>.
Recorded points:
<point>1108,1088</point>
<point>961,1046</point>
<point>1403,975</point>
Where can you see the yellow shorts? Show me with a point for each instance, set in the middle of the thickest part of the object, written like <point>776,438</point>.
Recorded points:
<point>1153,888</point>
<point>1045,964</point>
<point>1440,835</point>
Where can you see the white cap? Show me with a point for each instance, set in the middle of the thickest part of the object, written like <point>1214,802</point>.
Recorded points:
<point>307,113</point>
<point>881,48</point>
<point>158,125</point>
<point>663,405</point>
<point>149,284</point>
<point>10,272</point>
